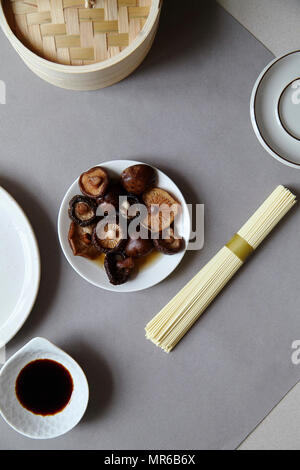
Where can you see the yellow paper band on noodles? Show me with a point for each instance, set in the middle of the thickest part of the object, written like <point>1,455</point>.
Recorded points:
<point>240,247</point>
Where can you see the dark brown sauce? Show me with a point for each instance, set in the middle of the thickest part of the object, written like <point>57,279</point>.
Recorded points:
<point>141,263</point>
<point>147,261</point>
<point>44,387</point>
<point>100,260</point>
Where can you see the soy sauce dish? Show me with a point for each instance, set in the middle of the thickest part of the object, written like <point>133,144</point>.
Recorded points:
<point>43,391</point>
<point>102,251</point>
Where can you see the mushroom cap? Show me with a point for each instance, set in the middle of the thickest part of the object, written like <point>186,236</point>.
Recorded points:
<point>138,247</point>
<point>94,182</point>
<point>137,178</point>
<point>114,191</point>
<point>82,210</point>
<point>125,204</point>
<point>118,267</point>
<point>162,209</point>
<point>80,239</point>
<point>171,245</point>
<point>108,236</point>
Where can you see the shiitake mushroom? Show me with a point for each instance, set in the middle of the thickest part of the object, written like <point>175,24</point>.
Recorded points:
<point>138,247</point>
<point>94,182</point>
<point>82,210</point>
<point>108,236</point>
<point>80,239</point>
<point>170,245</point>
<point>112,196</point>
<point>126,203</point>
<point>118,267</point>
<point>162,209</point>
<point>137,179</point>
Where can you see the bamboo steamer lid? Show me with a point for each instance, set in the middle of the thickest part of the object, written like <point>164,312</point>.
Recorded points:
<point>67,41</point>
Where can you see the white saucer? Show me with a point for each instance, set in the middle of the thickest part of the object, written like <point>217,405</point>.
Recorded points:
<point>22,420</point>
<point>150,275</point>
<point>275,109</point>
<point>19,267</point>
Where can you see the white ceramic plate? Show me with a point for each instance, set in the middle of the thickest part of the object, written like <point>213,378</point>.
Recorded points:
<point>275,109</point>
<point>147,277</point>
<point>19,267</point>
<point>22,420</point>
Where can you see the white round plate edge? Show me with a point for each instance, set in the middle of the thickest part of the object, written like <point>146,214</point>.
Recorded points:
<point>21,318</point>
<point>253,115</point>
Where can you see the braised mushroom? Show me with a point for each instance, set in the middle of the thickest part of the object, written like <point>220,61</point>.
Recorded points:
<point>112,197</point>
<point>118,267</point>
<point>170,245</point>
<point>94,183</point>
<point>162,209</point>
<point>138,247</point>
<point>138,178</point>
<point>82,210</point>
<point>108,236</point>
<point>80,239</point>
<point>125,203</point>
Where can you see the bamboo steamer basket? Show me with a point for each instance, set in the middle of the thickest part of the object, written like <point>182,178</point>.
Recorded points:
<point>80,48</point>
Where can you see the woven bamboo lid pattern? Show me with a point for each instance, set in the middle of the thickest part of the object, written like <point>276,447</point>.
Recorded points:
<point>66,32</point>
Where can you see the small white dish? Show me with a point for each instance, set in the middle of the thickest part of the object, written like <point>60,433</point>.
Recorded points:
<point>22,420</point>
<point>151,275</point>
<point>275,109</point>
<point>19,267</point>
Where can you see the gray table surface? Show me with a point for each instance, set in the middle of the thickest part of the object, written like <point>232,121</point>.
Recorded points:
<point>273,22</point>
<point>186,110</point>
<point>280,429</point>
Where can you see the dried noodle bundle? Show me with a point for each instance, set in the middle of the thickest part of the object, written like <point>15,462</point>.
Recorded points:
<point>169,326</point>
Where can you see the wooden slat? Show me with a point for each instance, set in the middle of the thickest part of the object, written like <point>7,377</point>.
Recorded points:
<point>127,3</point>
<point>32,2</point>
<point>67,41</point>
<point>21,26</point>
<point>23,8</point>
<point>82,53</point>
<point>111,9</point>
<point>73,3</point>
<point>38,18</point>
<point>118,40</point>
<point>43,5</point>
<point>111,13</point>
<point>134,28</point>
<point>72,25</point>
<point>57,11</point>
<point>105,26</point>
<point>138,12</point>
<point>100,46</point>
<point>87,37</point>
<point>35,38</point>
<point>49,48</point>
<point>94,14</point>
<point>123,20</point>
<point>63,57</point>
<point>53,29</point>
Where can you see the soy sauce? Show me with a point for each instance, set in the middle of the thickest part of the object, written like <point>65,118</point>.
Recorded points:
<point>44,387</point>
